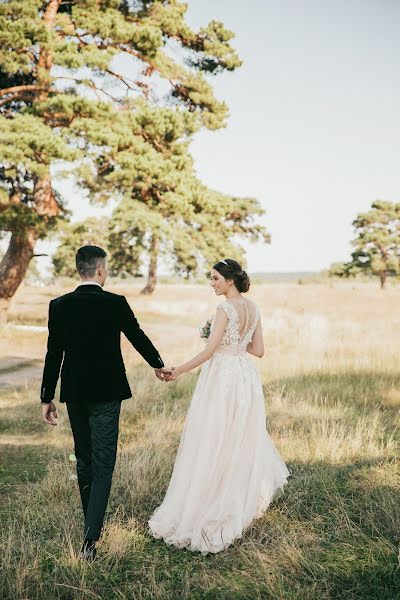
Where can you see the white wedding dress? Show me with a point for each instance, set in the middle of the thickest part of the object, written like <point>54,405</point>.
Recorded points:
<point>227,468</point>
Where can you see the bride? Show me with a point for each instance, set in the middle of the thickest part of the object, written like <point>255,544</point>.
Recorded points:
<point>227,469</point>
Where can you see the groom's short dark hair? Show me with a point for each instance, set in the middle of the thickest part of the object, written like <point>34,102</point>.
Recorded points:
<point>88,258</point>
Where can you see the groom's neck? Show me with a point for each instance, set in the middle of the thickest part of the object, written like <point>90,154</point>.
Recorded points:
<point>93,280</point>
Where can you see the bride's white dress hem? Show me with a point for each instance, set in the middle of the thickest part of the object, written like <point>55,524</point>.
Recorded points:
<point>170,536</point>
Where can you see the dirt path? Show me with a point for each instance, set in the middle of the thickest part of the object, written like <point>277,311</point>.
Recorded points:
<point>172,340</point>
<point>16,371</point>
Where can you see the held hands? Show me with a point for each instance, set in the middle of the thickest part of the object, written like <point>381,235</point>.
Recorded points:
<point>163,374</point>
<point>167,374</point>
<point>174,374</point>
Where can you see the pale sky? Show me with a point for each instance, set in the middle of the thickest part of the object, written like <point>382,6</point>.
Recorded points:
<point>314,125</point>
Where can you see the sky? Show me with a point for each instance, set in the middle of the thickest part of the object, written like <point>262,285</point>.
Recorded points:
<point>314,126</point>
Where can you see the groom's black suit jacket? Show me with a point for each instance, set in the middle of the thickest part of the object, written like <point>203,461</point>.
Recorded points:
<point>84,336</point>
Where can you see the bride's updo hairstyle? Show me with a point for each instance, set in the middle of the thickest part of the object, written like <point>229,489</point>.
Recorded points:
<point>230,269</point>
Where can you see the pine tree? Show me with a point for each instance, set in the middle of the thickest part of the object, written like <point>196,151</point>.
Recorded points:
<point>168,213</point>
<point>72,236</point>
<point>377,243</point>
<point>165,209</point>
<point>61,91</point>
<point>187,238</point>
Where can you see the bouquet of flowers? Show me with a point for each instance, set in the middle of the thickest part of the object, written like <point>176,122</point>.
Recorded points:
<point>206,328</point>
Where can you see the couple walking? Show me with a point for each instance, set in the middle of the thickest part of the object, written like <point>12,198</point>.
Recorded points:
<point>227,469</point>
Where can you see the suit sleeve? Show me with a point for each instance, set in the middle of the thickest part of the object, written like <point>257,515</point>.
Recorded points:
<point>137,337</point>
<point>54,357</point>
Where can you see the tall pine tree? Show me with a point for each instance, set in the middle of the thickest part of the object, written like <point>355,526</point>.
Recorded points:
<point>187,238</point>
<point>61,86</point>
<point>165,210</point>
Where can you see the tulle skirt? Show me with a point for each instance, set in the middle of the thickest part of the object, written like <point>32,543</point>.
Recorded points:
<point>227,468</point>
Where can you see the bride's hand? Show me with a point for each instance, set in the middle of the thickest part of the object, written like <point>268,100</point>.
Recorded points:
<point>175,373</point>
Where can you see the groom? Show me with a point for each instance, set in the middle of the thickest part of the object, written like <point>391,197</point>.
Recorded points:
<point>84,337</point>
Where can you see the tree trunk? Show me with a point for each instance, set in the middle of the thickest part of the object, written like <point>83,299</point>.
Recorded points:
<point>45,201</point>
<point>382,278</point>
<point>20,250</point>
<point>13,267</point>
<point>152,273</point>
<point>45,61</point>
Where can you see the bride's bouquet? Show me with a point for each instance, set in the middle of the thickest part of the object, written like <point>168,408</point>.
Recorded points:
<point>206,328</point>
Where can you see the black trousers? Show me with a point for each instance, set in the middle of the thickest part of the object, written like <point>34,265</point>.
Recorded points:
<point>95,429</point>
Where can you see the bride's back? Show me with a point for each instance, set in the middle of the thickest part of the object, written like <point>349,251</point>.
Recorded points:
<point>243,316</point>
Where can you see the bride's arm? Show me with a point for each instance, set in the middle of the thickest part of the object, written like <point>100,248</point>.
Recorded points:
<point>215,338</point>
<point>256,346</point>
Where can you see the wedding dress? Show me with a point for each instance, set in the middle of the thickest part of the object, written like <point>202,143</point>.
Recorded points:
<point>227,468</point>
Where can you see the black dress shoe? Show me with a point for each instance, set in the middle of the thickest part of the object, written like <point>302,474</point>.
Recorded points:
<point>88,550</point>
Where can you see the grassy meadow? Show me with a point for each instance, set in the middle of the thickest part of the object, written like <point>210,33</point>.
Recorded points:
<point>331,375</point>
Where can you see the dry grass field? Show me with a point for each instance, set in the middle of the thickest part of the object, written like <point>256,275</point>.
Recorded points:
<point>331,375</point>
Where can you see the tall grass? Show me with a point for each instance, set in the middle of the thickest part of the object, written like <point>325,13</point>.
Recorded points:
<point>332,387</point>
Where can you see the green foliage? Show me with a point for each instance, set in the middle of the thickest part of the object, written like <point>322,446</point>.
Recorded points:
<point>145,160</point>
<point>74,235</point>
<point>24,138</point>
<point>188,239</point>
<point>60,96</point>
<point>62,102</point>
<point>339,269</point>
<point>21,30</point>
<point>377,245</point>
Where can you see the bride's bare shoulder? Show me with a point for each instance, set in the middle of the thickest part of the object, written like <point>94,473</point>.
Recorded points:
<point>253,306</point>
<point>225,306</point>
<point>251,303</point>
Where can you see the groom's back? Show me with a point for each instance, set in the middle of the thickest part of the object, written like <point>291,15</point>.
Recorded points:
<point>84,337</point>
<point>90,321</point>
<point>87,324</point>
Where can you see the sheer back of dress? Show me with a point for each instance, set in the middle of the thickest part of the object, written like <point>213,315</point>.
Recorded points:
<point>242,321</point>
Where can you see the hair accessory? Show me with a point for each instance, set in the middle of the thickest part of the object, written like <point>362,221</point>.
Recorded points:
<point>225,263</point>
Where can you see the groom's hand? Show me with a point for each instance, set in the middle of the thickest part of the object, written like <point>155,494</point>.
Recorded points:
<point>49,413</point>
<point>163,374</point>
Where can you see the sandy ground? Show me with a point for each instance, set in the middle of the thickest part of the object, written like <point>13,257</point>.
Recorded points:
<point>17,372</point>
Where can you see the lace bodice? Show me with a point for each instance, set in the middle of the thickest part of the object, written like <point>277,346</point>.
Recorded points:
<point>238,335</point>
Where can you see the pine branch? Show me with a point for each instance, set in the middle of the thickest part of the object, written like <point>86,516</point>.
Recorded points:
<point>22,88</point>
<point>91,85</point>
<point>125,81</point>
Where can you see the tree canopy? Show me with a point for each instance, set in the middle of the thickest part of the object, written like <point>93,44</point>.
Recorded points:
<point>73,74</point>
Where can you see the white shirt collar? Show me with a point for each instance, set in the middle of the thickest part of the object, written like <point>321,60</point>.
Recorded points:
<point>90,283</point>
